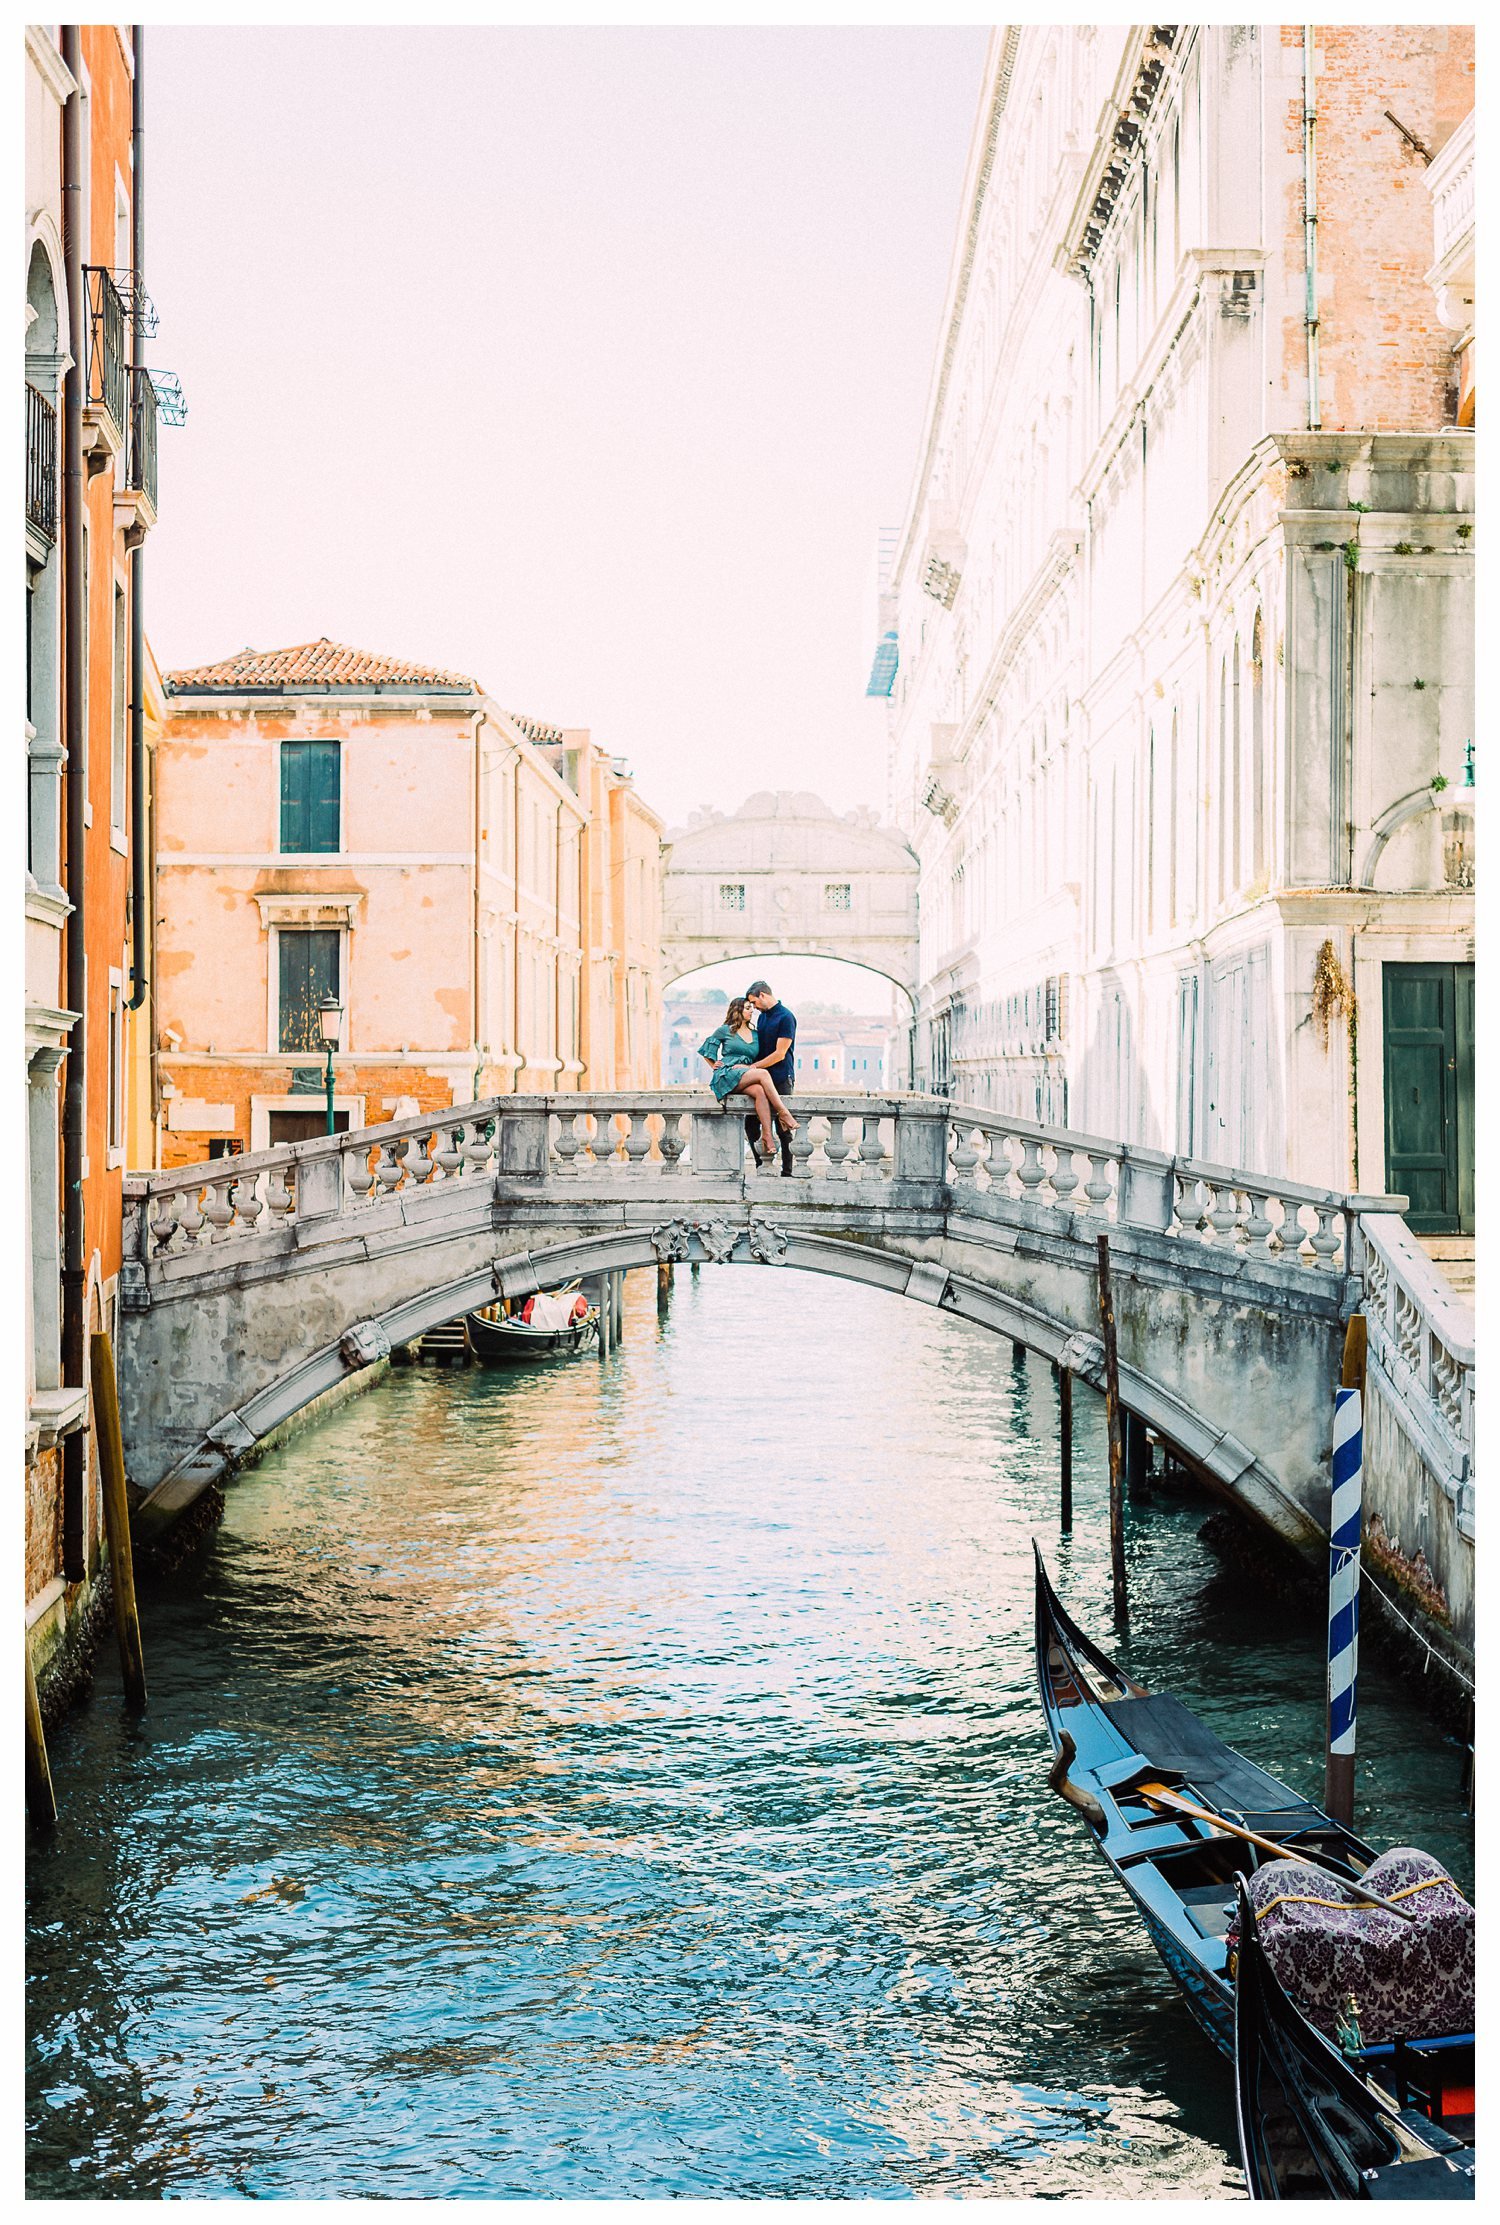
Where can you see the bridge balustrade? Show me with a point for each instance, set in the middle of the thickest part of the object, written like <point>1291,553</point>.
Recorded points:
<point>658,1140</point>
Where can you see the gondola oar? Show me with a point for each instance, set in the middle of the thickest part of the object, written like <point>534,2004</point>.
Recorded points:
<point>1161,1796</point>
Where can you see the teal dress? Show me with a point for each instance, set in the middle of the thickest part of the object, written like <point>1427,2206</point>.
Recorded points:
<point>733,1054</point>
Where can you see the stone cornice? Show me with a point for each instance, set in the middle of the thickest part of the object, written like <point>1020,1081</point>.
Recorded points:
<point>49,65</point>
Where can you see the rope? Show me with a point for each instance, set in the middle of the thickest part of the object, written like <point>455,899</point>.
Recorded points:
<point>1430,1650</point>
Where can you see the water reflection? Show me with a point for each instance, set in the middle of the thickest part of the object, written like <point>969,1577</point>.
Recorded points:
<point>627,1780</point>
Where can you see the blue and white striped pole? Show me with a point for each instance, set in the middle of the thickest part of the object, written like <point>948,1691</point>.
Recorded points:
<point>1345,1520</point>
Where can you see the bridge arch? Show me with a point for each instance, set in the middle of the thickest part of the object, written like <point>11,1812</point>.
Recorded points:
<point>787,875</point>
<point>243,1329</point>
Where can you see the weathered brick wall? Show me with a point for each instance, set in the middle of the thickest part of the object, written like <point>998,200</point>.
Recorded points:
<point>380,1086</point>
<point>1386,362</point>
<point>43,1519</point>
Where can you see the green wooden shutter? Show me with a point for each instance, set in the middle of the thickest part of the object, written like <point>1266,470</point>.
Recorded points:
<point>309,972</point>
<point>309,796</point>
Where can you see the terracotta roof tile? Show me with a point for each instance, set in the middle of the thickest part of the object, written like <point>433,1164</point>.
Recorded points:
<point>321,664</point>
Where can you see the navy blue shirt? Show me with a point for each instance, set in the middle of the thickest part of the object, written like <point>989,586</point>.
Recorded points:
<point>770,1027</point>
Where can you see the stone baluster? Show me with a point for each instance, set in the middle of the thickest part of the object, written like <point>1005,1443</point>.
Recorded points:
<point>638,1141</point>
<point>249,1204</point>
<point>480,1146</point>
<point>1258,1223</point>
<point>837,1144</point>
<point>190,1215</point>
<point>1327,1238</point>
<point>872,1167</point>
<point>672,1141</point>
<point>1066,1177</point>
<point>1291,1236</point>
<point>450,1152</point>
<point>423,1169</point>
<point>359,1173</point>
<point>281,1188</point>
<point>566,1145</point>
<point>966,1156</point>
<point>802,1149</point>
<point>1031,1174</point>
<point>218,1210</point>
<point>390,1166</point>
<point>1099,1188</point>
<point>1222,1213</point>
<point>164,1220</point>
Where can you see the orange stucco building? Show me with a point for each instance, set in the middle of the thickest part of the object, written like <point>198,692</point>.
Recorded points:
<point>91,416</point>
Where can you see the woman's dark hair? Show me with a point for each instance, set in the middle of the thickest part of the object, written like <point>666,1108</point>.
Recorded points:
<point>735,1016</point>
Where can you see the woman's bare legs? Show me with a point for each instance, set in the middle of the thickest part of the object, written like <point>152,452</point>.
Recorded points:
<point>757,1090</point>
<point>778,1104</point>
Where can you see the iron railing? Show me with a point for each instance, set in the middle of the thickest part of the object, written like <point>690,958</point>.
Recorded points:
<point>105,386</point>
<point>41,464</point>
<point>141,473</point>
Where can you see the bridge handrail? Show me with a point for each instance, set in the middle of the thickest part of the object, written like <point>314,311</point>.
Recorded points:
<point>674,1132</point>
<point>670,1098</point>
<point>1421,1335</point>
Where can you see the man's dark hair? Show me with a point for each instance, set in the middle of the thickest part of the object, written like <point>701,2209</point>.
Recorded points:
<point>760,989</point>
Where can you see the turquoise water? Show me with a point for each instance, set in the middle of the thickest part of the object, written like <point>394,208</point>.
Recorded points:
<point>626,1779</point>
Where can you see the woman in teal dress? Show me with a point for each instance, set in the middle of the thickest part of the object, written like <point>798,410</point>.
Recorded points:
<point>732,1051</point>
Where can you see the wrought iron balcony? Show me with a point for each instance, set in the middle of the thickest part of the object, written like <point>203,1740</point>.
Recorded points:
<point>104,383</point>
<point>41,465</point>
<point>141,471</point>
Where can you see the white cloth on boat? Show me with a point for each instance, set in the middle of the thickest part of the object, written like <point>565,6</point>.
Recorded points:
<point>553,1309</point>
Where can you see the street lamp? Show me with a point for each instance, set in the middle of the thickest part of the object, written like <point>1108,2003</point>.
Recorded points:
<point>330,1025</point>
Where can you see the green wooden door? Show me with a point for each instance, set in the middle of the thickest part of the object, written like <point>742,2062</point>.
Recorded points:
<point>1429,1094</point>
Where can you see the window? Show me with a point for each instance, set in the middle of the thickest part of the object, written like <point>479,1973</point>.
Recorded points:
<point>310,796</point>
<point>836,896</point>
<point>309,971</point>
<point>731,896</point>
<point>117,793</point>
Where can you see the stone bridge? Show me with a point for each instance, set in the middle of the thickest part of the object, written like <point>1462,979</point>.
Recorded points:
<point>253,1285</point>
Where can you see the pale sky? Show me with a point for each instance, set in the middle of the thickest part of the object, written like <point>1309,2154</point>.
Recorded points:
<point>588,361</point>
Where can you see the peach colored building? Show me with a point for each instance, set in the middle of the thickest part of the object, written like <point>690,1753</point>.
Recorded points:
<point>341,825</point>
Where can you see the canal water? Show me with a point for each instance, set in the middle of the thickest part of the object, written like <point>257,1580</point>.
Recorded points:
<point>627,1780</point>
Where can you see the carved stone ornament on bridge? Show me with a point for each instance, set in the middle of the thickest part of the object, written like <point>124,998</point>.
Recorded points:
<point>364,1344</point>
<point>673,1241</point>
<point>717,1238</point>
<point>768,1243</point>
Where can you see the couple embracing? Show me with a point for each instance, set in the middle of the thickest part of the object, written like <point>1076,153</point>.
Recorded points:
<point>752,1056</point>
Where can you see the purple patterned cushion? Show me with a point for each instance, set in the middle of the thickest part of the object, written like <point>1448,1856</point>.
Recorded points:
<point>1409,1981</point>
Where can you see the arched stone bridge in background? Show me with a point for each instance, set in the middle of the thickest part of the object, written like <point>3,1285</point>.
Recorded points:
<point>251,1286</point>
<point>785,873</point>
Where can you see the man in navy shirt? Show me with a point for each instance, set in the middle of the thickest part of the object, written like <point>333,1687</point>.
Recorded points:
<point>776,1028</point>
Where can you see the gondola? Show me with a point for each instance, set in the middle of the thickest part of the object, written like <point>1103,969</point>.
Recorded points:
<point>1115,1740</point>
<point>497,1341</point>
<point>1315,2128</point>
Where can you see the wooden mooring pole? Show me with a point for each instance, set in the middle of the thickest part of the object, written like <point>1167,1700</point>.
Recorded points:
<point>1345,1526</point>
<point>41,1801</point>
<point>1065,1446</point>
<point>116,1517</point>
<point>1116,1437</point>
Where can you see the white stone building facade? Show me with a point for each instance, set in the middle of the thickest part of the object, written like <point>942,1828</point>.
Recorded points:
<point>1182,610</point>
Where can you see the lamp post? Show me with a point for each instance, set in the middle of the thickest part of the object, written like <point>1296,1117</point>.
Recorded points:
<point>330,1025</point>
